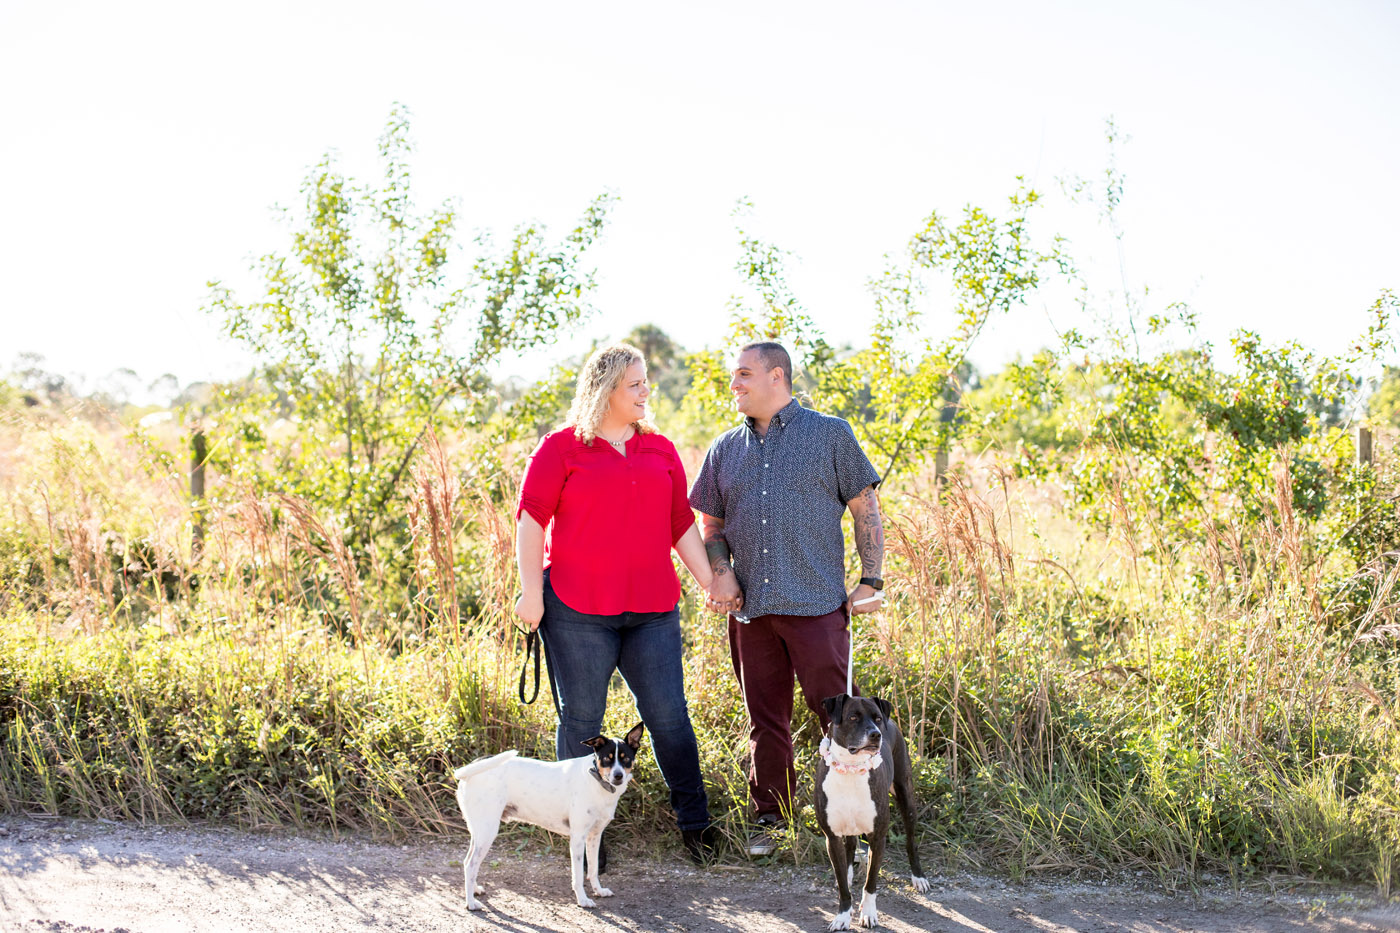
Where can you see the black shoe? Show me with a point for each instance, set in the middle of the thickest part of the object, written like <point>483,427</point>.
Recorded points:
<point>702,845</point>
<point>602,857</point>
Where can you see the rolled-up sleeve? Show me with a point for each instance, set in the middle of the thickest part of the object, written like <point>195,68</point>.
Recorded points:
<point>704,495</point>
<point>853,468</point>
<point>544,481</point>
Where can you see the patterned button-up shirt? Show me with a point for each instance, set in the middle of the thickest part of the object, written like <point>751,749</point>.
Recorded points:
<point>781,497</point>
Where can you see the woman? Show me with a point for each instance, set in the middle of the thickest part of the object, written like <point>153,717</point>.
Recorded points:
<point>603,593</point>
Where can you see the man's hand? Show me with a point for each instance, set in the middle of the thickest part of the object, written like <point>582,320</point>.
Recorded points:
<point>529,610</point>
<point>863,591</point>
<point>724,595</point>
<point>870,544</point>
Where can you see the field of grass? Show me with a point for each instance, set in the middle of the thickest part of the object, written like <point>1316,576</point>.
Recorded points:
<point>1077,701</point>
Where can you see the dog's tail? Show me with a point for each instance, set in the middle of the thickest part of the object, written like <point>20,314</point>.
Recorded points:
<point>483,764</point>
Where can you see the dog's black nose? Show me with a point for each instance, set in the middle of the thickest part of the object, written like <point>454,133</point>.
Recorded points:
<point>874,737</point>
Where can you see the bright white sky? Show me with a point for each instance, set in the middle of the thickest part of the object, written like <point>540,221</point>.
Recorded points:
<point>144,145</point>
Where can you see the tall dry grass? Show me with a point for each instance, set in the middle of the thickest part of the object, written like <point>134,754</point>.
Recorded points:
<point>1073,704</point>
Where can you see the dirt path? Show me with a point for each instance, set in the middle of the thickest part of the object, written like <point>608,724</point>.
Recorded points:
<point>69,876</point>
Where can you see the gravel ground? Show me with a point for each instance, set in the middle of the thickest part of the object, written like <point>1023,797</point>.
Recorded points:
<point>68,876</point>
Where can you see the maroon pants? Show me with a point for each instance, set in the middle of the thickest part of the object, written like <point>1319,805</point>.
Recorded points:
<point>766,653</point>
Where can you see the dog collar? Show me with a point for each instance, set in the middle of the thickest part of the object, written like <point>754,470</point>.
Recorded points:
<point>872,760</point>
<point>599,778</point>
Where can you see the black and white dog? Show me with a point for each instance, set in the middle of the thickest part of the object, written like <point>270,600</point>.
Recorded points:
<point>862,760</point>
<point>575,798</point>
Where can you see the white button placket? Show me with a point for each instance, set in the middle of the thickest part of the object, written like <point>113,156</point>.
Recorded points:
<point>765,479</point>
<point>764,493</point>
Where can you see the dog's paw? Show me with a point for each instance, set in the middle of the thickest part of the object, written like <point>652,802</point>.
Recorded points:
<point>587,902</point>
<point>602,892</point>
<point>869,916</point>
<point>474,904</point>
<point>920,884</point>
<point>480,890</point>
<point>842,922</point>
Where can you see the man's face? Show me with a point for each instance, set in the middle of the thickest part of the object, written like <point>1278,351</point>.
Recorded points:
<point>756,390</point>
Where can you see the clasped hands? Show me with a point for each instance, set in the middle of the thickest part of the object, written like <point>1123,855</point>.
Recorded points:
<point>723,595</point>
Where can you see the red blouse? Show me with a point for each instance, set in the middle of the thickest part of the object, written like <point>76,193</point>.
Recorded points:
<point>610,520</point>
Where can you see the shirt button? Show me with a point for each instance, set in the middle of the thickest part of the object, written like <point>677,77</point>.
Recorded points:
<point>765,579</point>
<point>765,492</point>
<point>765,550</point>
<point>765,466</point>
<point>765,521</point>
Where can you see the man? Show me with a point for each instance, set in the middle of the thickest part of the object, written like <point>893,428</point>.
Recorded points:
<point>771,494</point>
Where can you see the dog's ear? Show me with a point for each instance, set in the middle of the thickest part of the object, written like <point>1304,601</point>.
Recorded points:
<point>634,738</point>
<point>885,707</point>
<point>833,705</point>
<point>597,741</point>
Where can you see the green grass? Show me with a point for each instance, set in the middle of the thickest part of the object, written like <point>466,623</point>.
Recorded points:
<point>1055,771</point>
<point>1070,708</point>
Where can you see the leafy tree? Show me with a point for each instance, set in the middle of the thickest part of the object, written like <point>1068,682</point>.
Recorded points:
<point>666,362</point>
<point>770,311</point>
<point>1023,404</point>
<point>914,382</point>
<point>1384,403</point>
<point>34,379</point>
<point>364,339</point>
<point>901,393</point>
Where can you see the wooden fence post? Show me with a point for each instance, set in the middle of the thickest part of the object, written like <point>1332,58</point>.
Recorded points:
<point>1363,445</point>
<point>199,450</point>
<point>947,416</point>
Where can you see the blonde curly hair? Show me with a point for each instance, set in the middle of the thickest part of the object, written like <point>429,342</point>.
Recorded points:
<point>600,375</point>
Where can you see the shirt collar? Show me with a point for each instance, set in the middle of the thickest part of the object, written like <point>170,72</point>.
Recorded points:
<point>782,417</point>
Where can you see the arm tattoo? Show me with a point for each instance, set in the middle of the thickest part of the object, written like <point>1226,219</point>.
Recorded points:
<point>717,549</point>
<point>870,532</point>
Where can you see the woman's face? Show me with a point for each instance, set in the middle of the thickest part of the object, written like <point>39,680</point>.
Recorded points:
<point>629,400</point>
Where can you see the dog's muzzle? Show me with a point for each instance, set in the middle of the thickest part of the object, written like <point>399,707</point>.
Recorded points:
<point>871,746</point>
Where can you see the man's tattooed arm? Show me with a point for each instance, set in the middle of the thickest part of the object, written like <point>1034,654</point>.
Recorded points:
<point>870,531</point>
<point>715,546</point>
<point>725,594</point>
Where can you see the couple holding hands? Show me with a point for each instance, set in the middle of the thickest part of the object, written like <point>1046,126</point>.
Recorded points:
<point>603,502</point>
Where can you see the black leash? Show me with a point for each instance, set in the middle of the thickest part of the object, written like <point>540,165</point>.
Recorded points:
<point>532,648</point>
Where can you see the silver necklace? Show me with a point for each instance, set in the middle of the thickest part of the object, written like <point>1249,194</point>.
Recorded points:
<point>620,445</point>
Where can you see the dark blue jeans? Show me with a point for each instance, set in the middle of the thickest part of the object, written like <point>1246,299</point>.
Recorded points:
<point>583,650</point>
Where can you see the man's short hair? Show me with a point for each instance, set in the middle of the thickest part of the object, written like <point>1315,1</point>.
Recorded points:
<point>771,355</point>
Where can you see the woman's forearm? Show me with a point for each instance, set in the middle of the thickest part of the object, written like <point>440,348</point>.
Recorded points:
<point>529,555</point>
<point>692,553</point>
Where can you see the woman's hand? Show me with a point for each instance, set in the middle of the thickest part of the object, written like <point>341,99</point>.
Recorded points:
<point>529,609</point>
<point>724,595</point>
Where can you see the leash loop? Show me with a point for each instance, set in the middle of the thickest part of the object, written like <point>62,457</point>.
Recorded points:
<point>532,649</point>
<point>851,641</point>
<point>850,653</point>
